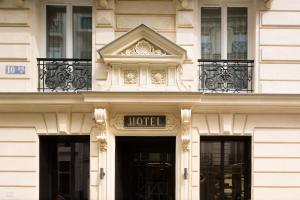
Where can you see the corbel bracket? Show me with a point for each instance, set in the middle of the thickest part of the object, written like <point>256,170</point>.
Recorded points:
<point>100,115</point>
<point>186,115</point>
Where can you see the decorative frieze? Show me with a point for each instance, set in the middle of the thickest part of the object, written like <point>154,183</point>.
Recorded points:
<point>143,48</point>
<point>158,77</point>
<point>130,77</point>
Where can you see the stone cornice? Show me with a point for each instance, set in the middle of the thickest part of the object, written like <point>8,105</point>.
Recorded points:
<point>199,102</point>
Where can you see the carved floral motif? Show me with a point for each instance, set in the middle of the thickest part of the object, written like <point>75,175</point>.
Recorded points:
<point>130,76</point>
<point>143,48</point>
<point>158,77</point>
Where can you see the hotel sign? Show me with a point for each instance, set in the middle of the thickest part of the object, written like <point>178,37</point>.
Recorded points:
<point>144,121</point>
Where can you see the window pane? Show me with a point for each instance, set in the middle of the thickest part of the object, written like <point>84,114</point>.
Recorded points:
<point>82,32</point>
<point>237,33</point>
<point>211,33</point>
<point>225,168</point>
<point>64,167</point>
<point>56,31</point>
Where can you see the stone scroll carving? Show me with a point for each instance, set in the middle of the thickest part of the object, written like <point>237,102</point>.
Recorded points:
<point>143,48</point>
<point>101,121</point>
<point>185,128</point>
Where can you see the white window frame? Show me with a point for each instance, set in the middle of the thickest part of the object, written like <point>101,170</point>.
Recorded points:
<point>69,22</point>
<point>224,5</point>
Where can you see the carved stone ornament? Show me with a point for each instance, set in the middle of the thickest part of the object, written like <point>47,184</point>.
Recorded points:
<point>130,76</point>
<point>103,4</point>
<point>101,121</point>
<point>185,128</point>
<point>267,3</point>
<point>158,77</point>
<point>172,122</point>
<point>143,48</point>
<point>184,3</point>
<point>19,3</point>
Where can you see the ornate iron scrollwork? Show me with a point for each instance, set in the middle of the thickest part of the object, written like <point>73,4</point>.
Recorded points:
<point>226,75</point>
<point>64,74</point>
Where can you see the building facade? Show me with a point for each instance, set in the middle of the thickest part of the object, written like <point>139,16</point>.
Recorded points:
<point>140,99</point>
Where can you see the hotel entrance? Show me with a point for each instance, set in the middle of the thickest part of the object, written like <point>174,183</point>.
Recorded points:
<point>145,168</point>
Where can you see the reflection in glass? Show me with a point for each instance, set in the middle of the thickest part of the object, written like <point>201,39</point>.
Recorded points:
<point>210,33</point>
<point>145,168</point>
<point>64,167</point>
<point>82,32</point>
<point>237,46</point>
<point>225,168</point>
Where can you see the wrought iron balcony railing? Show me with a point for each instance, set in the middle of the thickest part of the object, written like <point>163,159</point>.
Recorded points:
<point>64,74</point>
<point>225,75</point>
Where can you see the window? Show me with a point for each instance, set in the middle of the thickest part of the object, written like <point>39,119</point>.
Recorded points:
<point>64,167</point>
<point>224,33</point>
<point>225,168</point>
<point>68,31</point>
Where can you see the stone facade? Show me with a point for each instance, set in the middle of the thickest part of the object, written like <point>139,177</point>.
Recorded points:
<point>144,62</point>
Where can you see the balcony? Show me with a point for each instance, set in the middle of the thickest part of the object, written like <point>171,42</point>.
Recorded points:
<point>226,76</point>
<point>64,75</point>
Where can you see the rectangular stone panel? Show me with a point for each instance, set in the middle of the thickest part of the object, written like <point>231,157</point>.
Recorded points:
<point>280,18</point>
<point>157,22</point>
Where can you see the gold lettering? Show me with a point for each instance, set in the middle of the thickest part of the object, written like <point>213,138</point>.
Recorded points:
<point>158,121</point>
<point>130,121</point>
<point>139,121</point>
<point>146,120</point>
<point>152,121</point>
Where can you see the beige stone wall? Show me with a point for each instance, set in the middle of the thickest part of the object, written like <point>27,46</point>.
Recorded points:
<point>275,149</point>
<point>279,51</point>
<point>18,44</point>
<point>19,149</point>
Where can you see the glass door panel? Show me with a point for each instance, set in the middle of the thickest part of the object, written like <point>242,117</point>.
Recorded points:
<point>145,168</point>
<point>225,168</point>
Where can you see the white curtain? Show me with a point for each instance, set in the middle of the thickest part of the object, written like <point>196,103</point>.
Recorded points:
<point>82,32</point>
<point>56,31</point>
<point>210,33</point>
<point>237,37</point>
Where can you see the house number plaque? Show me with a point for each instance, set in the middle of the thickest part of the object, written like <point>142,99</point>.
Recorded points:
<point>144,121</point>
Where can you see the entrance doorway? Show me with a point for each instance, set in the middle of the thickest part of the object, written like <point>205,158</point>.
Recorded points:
<point>145,168</point>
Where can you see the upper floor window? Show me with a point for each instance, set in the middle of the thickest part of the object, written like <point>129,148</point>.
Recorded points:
<point>224,33</point>
<point>68,31</point>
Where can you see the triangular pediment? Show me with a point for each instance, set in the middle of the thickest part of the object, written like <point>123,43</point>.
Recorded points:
<point>144,45</point>
<point>143,48</point>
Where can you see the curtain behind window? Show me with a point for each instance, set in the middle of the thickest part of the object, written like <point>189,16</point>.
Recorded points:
<point>237,46</point>
<point>56,31</point>
<point>82,32</point>
<point>211,33</point>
